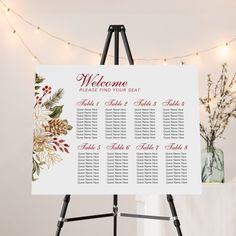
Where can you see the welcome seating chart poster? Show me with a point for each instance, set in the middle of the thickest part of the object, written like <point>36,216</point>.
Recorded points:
<point>116,130</point>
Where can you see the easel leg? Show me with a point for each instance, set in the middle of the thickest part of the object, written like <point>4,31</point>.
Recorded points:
<point>126,44</point>
<point>106,47</point>
<point>174,214</point>
<point>116,48</point>
<point>116,62</point>
<point>115,211</point>
<point>60,222</point>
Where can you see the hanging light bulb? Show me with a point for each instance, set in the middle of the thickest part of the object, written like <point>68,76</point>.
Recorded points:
<point>225,50</point>
<point>165,62</point>
<point>34,58</point>
<point>197,56</point>
<point>8,11</point>
<point>227,47</point>
<point>37,30</point>
<point>14,32</point>
<point>99,56</point>
<point>67,45</point>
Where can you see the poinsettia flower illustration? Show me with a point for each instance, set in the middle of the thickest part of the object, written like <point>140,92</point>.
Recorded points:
<point>41,116</point>
<point>40,139</point>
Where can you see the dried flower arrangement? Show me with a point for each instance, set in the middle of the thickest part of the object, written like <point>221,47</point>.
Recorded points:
<point>220,105</point>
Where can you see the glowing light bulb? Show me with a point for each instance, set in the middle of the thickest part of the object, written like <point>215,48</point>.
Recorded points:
<point>37,30</point>
<point>99,56</point>
<point>8,11</point>
<point>226,47</point>
<point>34,58</point>
<point>13,32</point>
<point>225,50</point>
<point>67,45</point>
<point>197,56</point>
<point>165,62</point>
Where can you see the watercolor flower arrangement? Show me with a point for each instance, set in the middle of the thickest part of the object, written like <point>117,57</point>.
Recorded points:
<point>49,128</point>
<point>220,106</point>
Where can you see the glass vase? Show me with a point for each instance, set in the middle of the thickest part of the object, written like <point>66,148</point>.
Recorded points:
<point>212,165</point>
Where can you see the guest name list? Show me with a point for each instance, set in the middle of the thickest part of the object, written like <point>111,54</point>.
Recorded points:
<point>135,129</point>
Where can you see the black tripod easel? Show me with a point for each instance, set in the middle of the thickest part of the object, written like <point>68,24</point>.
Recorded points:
<point>117,29</point>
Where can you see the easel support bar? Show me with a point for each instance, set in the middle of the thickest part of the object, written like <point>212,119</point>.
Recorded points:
<point>88,217</point>
<point>146,216</point>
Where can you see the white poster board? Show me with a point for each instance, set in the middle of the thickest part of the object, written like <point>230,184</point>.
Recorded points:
<point>116,130</point>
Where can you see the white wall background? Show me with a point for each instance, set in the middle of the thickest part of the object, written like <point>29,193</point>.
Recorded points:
<point>155,28</point>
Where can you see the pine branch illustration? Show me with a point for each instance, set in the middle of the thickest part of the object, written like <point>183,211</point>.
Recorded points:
<point>54,99</point>
<point>38,79</point>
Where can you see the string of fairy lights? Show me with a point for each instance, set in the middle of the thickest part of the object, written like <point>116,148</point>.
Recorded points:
<point>6,11</point>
